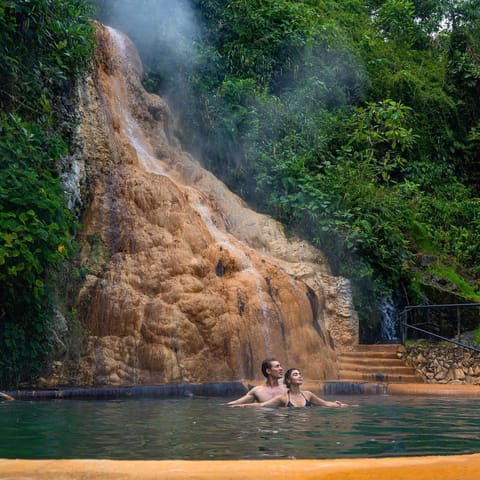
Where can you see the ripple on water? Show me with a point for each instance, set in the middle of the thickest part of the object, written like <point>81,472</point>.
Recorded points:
<point>193,428</point>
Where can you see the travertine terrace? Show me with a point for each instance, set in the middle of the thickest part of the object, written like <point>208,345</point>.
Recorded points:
<point>185,282</point>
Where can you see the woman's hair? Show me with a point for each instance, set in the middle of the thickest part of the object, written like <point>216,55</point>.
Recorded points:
<point>288,374</point>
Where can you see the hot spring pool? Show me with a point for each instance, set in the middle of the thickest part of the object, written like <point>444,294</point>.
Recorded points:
<point>206,429</point>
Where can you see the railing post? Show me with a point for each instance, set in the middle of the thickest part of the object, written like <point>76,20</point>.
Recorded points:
<point>404,326</point>
<point>427,319</point>
<point>458,324</point>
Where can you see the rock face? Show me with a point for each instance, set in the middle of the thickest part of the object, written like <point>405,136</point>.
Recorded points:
<point>185,283</point>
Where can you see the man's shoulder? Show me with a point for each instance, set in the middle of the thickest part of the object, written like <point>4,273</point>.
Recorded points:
<point>261,389</point>
<point>266,392</point>
<point>268,388</point>
<point>256,389</point>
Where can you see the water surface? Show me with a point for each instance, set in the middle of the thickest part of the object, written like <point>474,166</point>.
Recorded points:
<point>205,428</point>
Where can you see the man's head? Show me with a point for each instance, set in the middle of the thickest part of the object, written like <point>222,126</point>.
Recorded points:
<point>271,367</point>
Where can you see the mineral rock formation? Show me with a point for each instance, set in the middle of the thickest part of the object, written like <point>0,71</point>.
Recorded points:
<point>185,283</point>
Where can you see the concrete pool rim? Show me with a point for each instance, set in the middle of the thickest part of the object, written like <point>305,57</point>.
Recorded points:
<point>455,467</point>
<point>234,389</point>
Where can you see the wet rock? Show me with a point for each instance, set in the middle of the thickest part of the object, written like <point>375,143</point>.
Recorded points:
<point>170,251</point>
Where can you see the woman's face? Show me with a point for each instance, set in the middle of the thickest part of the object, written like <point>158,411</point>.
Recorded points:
<point>296,378</point>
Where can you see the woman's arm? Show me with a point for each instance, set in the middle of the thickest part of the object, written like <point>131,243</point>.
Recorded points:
<point>314,400</point>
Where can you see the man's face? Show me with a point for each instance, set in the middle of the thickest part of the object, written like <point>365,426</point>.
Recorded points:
<point>276,370</point>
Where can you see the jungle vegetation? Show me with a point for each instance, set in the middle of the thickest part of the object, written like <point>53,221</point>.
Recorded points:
<point>356,123</point>
<point>44,45</point>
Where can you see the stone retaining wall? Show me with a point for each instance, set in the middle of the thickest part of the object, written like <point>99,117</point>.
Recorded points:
<point>440,363</point>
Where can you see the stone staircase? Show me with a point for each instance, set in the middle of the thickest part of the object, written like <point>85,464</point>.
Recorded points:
<point>375,363</point>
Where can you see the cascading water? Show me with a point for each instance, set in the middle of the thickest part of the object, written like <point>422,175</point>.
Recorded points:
<point>389,323</point>
<point>192,286</point>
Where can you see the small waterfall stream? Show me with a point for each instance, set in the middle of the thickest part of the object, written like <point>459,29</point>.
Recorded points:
<point>389,320</point>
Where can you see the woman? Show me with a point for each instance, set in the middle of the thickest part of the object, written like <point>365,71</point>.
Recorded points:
<point>295,397</point>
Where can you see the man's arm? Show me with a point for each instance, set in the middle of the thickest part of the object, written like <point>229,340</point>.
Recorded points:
<point>277,401</point>
<point>250,397</point>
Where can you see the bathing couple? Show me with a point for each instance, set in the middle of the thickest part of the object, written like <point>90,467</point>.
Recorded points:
<point>274,394</point>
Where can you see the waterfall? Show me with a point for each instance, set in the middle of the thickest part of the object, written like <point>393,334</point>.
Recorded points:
<point>193,284</point>
<point>389,319</point>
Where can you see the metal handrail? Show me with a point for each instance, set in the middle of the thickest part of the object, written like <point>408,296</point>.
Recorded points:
<point>441,305</point>
<point>405,325</point>
<point>460,344</point>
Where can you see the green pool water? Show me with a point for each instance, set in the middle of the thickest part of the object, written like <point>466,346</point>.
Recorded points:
<point>205,428</point>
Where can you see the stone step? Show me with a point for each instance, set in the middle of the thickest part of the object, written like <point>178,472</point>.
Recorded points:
<point>366,361</point>
<point>396,369</point>
<point>356,376</point>
<point>375,363</point>
<point>365,354</point>
<point>385,347</point>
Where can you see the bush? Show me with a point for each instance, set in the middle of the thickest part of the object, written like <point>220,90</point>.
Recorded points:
<point>44,45</point>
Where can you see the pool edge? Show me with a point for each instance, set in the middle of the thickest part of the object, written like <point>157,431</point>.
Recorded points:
<point>464,467</point>
<point>238,388</point>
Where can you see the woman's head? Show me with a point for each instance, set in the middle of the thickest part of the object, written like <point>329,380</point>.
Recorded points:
<point>291,374</point>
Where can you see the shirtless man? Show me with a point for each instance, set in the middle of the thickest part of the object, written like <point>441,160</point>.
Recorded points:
<point>272,371</point>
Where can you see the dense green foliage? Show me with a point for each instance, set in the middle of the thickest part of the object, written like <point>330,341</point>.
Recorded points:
<point>43,45</point>
<point>356,123</point>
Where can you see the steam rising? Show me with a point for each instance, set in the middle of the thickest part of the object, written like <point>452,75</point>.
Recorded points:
<point>168,26</point>
<point>291,120</point>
